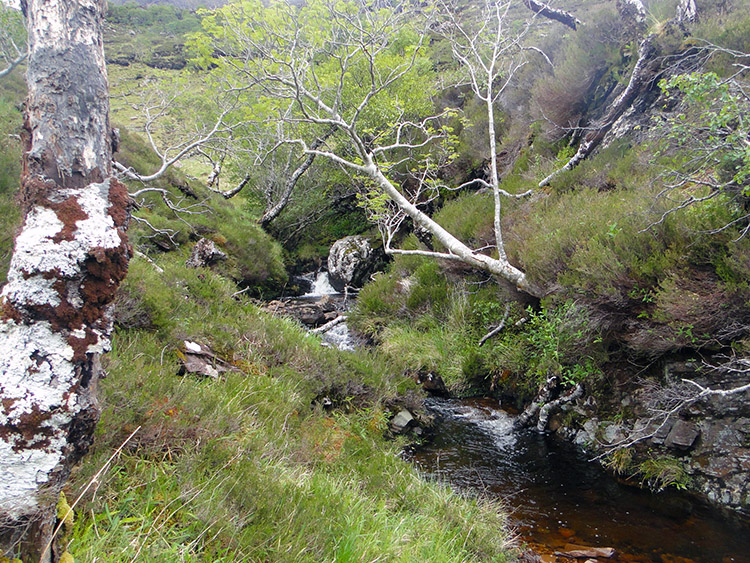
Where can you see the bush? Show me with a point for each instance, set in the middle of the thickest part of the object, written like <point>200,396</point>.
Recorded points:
<point>586,70</point>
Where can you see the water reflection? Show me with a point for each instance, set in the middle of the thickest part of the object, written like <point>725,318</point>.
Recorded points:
<point>558,497</point>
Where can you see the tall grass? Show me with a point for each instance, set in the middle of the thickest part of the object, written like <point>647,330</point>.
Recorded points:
<point>250,467</point>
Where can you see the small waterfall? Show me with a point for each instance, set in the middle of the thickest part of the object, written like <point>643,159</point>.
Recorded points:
<point>321,286</point>
<point>339,335</point>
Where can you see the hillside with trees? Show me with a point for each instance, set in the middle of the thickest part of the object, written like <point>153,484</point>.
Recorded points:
<point>556,199</point>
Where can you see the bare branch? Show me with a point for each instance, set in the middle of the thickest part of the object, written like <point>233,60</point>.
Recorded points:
<point>497,329</point>
<point>666,402</point>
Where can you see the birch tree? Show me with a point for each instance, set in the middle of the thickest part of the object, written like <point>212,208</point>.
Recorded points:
<point>357,68</point>
<point>70,255</point>
<point>12,40</point>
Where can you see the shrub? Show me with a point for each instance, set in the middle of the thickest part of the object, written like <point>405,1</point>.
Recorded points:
<point>662,472</point>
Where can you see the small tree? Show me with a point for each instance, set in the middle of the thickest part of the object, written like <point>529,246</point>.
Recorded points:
<point>357,69</point>
<point>707,137</point>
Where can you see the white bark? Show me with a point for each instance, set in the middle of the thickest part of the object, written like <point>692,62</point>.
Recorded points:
<point>639,78</point>
<point>279,62</point>
<point>457,250</point>
<point>687,11</point>
<point>69,257</point>
<point>27,460</point>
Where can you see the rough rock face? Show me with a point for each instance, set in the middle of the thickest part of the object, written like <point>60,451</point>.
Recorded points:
<point>350,261</point>
<point>709,440</point>
<point>309,313</point>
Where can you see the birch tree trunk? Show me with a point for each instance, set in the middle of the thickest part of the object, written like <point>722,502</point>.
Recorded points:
<point>70,255</point>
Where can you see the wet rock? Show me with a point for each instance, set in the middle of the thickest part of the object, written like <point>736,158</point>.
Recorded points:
<point>583,552</point>
<point>555,423</point>
<point>582,438</point>
<point>205,253</point>
<point>301,284</point>
<point>309,313</point>
<point>433,384</point>
<point>351,260</point>
<point>613,434</point>
<point>721,467</point>
<point>402,421</point>
<point>661,433</point>
<point>682,435</point>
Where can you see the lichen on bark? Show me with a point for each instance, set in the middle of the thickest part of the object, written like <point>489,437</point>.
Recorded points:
<point>70,256</point>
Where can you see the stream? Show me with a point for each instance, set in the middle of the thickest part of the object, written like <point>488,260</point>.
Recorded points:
<point>557,497</point>
<point>320,288</point>
<point>554,494</point>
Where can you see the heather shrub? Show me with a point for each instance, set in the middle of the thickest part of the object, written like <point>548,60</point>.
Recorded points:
<point>586,69</point>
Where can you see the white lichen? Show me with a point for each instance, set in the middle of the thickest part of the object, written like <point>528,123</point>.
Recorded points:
<point>37,252</point>
<point>38,376</point>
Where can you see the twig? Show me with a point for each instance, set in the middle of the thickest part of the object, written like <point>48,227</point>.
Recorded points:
<point>93,480</point>
<point>497,329</point>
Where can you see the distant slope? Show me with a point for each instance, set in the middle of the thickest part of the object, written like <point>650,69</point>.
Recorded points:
<point>183,4</point>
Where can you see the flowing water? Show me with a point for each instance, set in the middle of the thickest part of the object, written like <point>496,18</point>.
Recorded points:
<point>321,286</point>
<point>338,336</point>
<point>558,497</point>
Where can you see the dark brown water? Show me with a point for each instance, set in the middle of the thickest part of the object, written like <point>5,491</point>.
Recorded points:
<point>557,496</point>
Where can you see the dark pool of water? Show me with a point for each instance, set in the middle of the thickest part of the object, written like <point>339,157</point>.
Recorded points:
<point>557,496</point>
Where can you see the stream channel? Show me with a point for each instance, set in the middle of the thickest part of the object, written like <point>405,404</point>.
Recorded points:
<point>557,497</point>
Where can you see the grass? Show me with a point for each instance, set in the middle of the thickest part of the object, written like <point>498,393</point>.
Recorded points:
<point>254,259</point>
<point>250,467</point>
<point>10,165</point>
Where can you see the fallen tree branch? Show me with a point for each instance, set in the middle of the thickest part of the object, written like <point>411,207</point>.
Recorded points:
<point>497,329</point>
<point>546,409</point>
<point>543,397</point>
<point>329,325</point>
<point>542,9</point>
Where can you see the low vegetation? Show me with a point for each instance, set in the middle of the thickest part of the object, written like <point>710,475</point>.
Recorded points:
<point>252,466</point>
<point>287,456</point>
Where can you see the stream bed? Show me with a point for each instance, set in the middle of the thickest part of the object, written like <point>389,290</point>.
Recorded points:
<point>557,497</point>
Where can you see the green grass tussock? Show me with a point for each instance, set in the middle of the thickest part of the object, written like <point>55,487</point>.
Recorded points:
<point>250,467</point>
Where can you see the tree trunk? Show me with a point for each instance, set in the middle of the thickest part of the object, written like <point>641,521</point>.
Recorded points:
<point>457,250</point>
<point>274,210</point>
<point>70,255</point>
<point>641,78</point>
<point>541,8</point>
